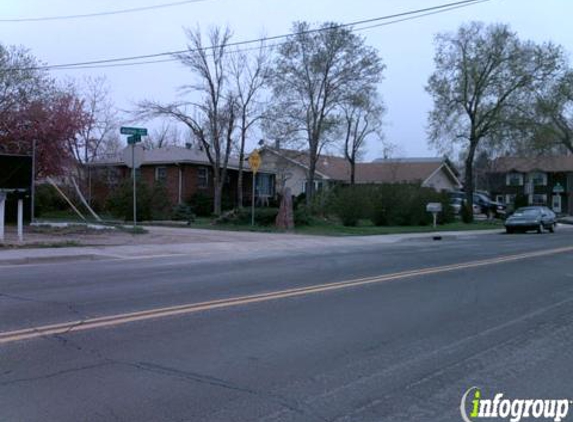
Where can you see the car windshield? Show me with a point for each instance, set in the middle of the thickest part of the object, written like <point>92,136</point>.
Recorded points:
<point>527,213</point>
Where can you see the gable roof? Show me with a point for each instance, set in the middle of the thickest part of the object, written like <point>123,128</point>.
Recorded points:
<point>549,164</point>
<point>405,170</point>
<point>168,155</point>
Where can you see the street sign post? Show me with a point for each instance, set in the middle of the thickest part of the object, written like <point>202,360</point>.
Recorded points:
<point>136,159</point>
<point>255,164</point>
<point>125,130</point>
<point>133,139</point>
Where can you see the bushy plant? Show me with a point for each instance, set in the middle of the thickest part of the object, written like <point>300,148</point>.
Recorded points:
<point>47,199</point>
<point>161,206</point>
<point>201,204</point>
<point>120,202</point>
<point>263,217</point>
<point>348,205</point>
<point>182,212</point>
<point>302,216</point>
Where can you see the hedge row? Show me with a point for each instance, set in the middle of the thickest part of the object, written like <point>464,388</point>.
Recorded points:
<point>388,205</point>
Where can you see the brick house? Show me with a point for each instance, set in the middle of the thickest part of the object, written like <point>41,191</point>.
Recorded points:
<point>185,172</point>
<point>544,180</point>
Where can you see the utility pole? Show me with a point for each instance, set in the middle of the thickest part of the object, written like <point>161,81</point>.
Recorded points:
<point>33,186</point>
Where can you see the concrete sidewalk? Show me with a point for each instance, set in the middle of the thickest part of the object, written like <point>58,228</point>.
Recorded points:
<point>209,245</point>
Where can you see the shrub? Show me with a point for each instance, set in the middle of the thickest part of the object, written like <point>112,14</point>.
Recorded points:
<point>263,217</point>
<point>120,202</point>
<point>161,206</point>
<point>47,199</point>
<point>302,217</point>
<point>348,204</point>
<point>182,212</point>
<point>202,204</point>
<point>405,205</point>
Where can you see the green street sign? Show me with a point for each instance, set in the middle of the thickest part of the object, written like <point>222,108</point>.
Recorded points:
<point>133,139</point>
<point>558,188</point>
<point>140,131</point>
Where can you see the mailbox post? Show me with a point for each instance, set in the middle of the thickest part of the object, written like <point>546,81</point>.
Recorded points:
<point>434,208</point>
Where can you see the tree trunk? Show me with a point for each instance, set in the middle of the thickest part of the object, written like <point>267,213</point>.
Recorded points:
<point>310,181</point>
<point>218,191</point>
<point>241,173</point>
<point>469,179</point>
<point>352,172</point>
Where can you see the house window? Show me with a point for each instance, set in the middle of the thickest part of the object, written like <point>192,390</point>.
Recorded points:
<point>112,176</point>
<point>203,177</point>
<point>538,199</point>
<point>265,185</point>
<point>160,174</point>
<point>500,199</point>
<point>514,179</point>
<point>538,178</point>
<point>318,185</point>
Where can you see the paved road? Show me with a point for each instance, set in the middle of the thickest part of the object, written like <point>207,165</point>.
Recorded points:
<point>362,333</point>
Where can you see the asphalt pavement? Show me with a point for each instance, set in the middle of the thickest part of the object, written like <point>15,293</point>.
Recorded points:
<point>357,332</point>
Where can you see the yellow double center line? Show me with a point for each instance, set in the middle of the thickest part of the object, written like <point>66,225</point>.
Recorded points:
<point>112,320</point>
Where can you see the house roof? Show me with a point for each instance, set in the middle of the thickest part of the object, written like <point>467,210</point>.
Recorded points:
<point>168,155</point>
<point>380,171</point>
<point>559,163</point>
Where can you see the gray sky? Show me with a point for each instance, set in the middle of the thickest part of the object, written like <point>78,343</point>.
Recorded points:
<point>406,47</point>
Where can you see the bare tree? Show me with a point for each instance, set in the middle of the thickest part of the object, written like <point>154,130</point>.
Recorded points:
<point>315,72</point>
<point>211,110</point>
<point>102,119</point>
<point>481,77</point>
<point>164,136</point>
<point>362,119</point>
<point>250,74</point>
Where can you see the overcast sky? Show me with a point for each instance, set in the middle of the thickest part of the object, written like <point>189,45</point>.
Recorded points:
<point>406,47</point>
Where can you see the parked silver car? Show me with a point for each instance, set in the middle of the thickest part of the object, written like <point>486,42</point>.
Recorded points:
<point>531,218</point>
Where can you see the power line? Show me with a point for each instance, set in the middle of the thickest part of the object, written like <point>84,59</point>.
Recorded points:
<point>108,13</point>
<point>270,46</point>
<point>394,18</point>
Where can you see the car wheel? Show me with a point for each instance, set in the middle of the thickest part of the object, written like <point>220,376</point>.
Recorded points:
<point>540,228</point>
<point>552,228</point>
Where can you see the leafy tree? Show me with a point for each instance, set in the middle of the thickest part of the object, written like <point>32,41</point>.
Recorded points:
<point>315,72</point>
<point>549,125</point>
<point>483,78</point>
<point>34,110</point>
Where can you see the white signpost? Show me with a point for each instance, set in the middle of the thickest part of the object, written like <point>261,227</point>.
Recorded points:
<point>434,208</point>
<point>2,214</point>
<point>20,220</point>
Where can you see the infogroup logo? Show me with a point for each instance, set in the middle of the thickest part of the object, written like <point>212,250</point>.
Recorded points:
<point>514,410</point>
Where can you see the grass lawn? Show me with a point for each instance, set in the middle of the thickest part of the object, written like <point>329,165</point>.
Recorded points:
<point>365,228</point>
<point>319,227</point>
